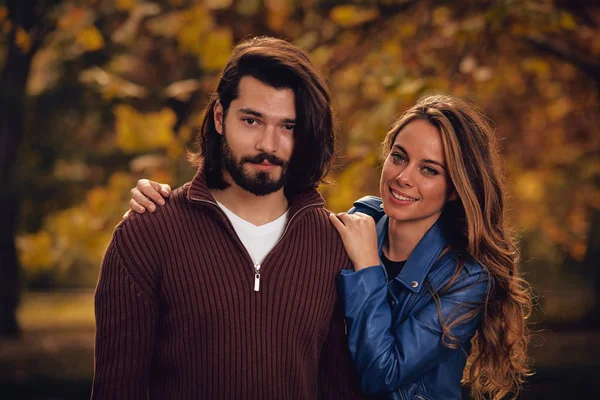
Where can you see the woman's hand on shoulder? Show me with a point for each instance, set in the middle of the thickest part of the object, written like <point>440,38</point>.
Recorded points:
<point>146,194</point>
<point>359,236</point>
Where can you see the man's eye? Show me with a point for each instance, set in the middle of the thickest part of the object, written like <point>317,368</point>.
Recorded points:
<point>249,121</point>
<point>289,127</point>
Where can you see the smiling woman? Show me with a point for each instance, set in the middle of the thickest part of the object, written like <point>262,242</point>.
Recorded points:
<point>414,183</point>
<point>443,197</point>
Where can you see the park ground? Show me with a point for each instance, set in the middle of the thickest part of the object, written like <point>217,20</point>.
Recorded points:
<point>53,358</point>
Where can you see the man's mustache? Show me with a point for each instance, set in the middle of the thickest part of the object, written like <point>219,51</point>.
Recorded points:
<point>261,157</point>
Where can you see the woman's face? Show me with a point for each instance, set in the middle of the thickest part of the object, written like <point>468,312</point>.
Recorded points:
<point>414,182</point>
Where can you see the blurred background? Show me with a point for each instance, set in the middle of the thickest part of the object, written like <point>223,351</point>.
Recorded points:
<point>97,94</point>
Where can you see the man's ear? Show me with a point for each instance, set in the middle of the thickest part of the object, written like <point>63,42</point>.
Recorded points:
<point>218,116</point>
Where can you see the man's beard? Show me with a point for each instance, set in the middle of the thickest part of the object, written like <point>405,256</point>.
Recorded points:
<point>259,184</point>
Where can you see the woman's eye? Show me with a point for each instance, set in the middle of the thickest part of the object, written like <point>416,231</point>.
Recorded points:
<point>430,171</point>
<point>398,157</point>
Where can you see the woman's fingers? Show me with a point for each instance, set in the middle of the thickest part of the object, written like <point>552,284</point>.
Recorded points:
<point>139,200</point>
<point>339,225</point>
<point>146,194</point>
<point>165,189</point>
<point>359,236</point>
<point>137,207</point>
<point>152,190</point>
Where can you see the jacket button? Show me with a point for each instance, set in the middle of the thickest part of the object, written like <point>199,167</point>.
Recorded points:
<point>414,284</point>
<point>392,303</point>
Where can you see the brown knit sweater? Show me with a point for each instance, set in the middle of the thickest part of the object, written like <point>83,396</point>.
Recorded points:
<point>177,316</point>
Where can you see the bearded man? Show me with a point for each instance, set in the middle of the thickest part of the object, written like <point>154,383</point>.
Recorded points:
<point>228,291</point>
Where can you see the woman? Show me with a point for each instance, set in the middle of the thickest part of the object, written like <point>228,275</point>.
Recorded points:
<point>434,298</point>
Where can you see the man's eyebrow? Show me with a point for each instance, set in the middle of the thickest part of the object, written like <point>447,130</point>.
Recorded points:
<point>250,111</point>
<point>425,160</point>
<point>260,115</point>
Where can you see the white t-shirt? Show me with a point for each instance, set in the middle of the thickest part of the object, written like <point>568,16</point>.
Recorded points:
<point>258,240</point>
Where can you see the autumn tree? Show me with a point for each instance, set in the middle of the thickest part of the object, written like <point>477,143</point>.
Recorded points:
<point>116,88</point>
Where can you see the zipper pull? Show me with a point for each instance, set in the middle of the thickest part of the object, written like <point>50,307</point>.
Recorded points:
<point>256,277</point>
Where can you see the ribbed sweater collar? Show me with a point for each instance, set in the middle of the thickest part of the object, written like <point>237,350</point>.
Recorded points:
<point>199,191</point>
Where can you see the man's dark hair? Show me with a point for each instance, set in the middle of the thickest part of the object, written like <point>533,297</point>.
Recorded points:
<point>278,64</point>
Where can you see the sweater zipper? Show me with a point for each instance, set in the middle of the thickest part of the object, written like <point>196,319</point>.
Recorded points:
<point>257,267</point>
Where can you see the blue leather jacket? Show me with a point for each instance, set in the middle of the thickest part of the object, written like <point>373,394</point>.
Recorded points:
<point>394,330</point>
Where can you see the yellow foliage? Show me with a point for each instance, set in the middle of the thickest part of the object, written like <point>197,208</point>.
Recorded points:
<point>441,15</point>
<point>35,251</point>
<point>218,4</point>
<point>407,30</point>
<point>77,235</point>
<point>537,66</point>
<point>23,40</point>
<point>125,5</point>
<point>97,199</point>
<point>216,48</point>
<point>142,132</point>
<point>196,23</point>
<point>559,108</point>
<point>161,176</point>
<point>248,7</point>
<point>3,13</point>
<point>321,55</point>
<point>278,13</point>
<point>529,186</point>
<point>120,182</point>
<point>410,87</point>
<point>175,150</point>
<point>74,20</point>
<point>90,38</point>
<point>167,25</point>
<point>393,49</point>
<point>350,185</point>
<point>350,15</point>
<point>566,20</point>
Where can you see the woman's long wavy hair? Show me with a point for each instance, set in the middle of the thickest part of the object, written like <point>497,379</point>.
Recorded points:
<point>498,364</point>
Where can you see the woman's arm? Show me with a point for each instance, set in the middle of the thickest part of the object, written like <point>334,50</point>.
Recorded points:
<point>389,353</point>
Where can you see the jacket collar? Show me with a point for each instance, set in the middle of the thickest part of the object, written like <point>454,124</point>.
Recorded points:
<point>421,259</point>
<point>198,191</point>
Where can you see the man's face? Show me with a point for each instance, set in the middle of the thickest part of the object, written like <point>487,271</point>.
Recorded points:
<point>258,132</point>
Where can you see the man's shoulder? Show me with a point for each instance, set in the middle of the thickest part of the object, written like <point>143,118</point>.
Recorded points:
<point>175,206</point>
<point>322,223</point>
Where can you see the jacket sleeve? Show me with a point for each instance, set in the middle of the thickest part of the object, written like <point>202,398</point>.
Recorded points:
<point>390,353</point>
<point>337,376</point>
<point>125,331</point>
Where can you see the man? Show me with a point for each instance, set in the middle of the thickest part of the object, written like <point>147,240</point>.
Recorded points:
<point>228,292</point>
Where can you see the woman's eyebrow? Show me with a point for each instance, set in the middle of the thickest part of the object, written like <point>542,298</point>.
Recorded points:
<point>425,160</point>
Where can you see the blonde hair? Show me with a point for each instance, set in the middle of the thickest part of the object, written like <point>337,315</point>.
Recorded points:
<point>498,364</point>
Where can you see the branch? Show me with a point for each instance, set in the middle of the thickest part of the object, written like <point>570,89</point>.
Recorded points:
<point>369,30</point>
<point>588,67</point>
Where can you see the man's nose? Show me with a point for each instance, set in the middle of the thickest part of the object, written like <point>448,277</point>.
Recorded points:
<point>269,140</point>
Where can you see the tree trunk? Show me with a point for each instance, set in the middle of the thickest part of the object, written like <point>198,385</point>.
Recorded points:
<point>13,80</point>
<point>591,261</point>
